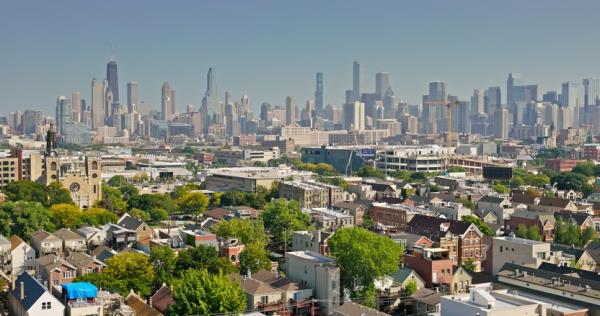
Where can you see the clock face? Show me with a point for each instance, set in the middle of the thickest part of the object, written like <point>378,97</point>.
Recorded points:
<point>74,187</point>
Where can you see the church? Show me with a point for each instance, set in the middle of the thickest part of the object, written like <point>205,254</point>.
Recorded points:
<point>80,176</point>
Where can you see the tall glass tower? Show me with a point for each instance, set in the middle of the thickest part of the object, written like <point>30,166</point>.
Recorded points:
<point>113,79</point>
<point>319,92</point>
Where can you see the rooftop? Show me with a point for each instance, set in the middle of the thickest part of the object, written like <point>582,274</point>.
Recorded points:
<point>520,240</point>
<point>309,255</point>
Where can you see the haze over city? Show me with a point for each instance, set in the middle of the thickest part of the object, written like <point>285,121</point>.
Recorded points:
<point>54,48</point>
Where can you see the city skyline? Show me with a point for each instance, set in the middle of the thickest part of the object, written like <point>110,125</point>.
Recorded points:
<point>409,52</point>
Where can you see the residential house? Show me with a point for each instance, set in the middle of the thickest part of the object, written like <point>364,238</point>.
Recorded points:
<point>391,288</point>
<point>94,237</point>
<point>22,256</point>
<point>119,237</point>
<point>543,221</point>
<point>103,253</point>
<point>198,237</point>
<point>355,209</point>
<point>139,305</point>
<point>71,241</point>
<point>328,219</point>
<point>520,251</point>
<point>162,299</point>
<point>46,243</point>
<point>394,215</point>
<point>461,280</point>
<point>354,309</point>
<point>501,207</point>
<point>432,264</point>
<point>318,272</point>
<point>452,210</point>
<point>142,230</point>
<point>409,240</point>
<point>231,249</point>
<point>580,219</point>
<point>523,201</point>
<point>55,270</point>
<point>30,298</point>
<point>463,241</point>
<point>552,204</point>
<point>315,241</point>
<point>85,263</point>
<point>426,301</point>
<point>81,299</point>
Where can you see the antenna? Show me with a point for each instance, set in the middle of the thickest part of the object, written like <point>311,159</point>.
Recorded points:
<point>111,55</point>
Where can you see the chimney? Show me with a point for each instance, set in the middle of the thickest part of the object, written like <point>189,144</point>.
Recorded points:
<point>22,288</point>
<point>249,274</point>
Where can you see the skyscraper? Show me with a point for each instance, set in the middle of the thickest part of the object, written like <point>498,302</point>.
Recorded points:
<point>492,100</point>
<point>354,116</point>
<point>167,110</point>
<point>501,123</point>
<point>356,80</point>
<point>113,79</point>
<point>382,84</point>
<point>76,107</point>
<point>319,92</point>
<point>64,114</point>
<point>591,87</point>
<point>290,110</point>
<point>97,109</point>
<point>132,96</point>
<point>210,103</point>
<point>477,104</point>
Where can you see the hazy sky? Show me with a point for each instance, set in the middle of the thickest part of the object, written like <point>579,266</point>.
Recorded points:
<point>270,49</point>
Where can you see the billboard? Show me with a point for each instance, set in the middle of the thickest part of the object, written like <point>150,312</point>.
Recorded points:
<point>497,173</point>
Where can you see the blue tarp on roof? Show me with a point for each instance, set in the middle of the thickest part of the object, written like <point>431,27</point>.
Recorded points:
<point>77,290</point>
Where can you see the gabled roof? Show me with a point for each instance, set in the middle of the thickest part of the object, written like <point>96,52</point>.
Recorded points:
<point>102,253</point>
<point>554,202</point>
<point>4,241</point>
<point>431,226</point>
<point>492,199</point>
<point>427,296</point>
<point>575,218</point>
<point>41,235</point>
<point>51,262</point>
<point>67,234</point>
<point>81,260</point>
<point>33,290</point>
<point>403,273</point>
<point>162,298</point>
<point>523,199</point>
<point>354,309</point>
<point>139,306</point>
<point>15,241</point>
<point>130,222</point>
<point>255,287</point>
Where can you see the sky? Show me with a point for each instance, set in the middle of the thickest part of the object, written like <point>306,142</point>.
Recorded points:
<point>272,49</point>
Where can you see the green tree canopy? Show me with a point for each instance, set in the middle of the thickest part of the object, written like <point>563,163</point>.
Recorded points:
<point>500,188</point>
<point>163,260</point>
<point>469,265</point>
<point>112,199</point>
<point>58,195</point>
<point>26,190</point>
<point>481,225</point>
<point>522,231</point>
<point>533,233</point>
<point>148,202</point>
<point>192,203</point>
<point>117,181</point>
<point>363,255</point>
<point>247,231</point>
<point>410,288</point>
<point>254,257</point>
<point>24,218</point>
<point>66,215</point>
<point>197,292</point>
<point>368,171</point>
<point>203,257</point>
<point>569,181</point>
<point>96,216</point>
<point>281,218</point>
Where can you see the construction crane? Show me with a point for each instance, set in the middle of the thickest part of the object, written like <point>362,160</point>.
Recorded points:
<point>448,105</point>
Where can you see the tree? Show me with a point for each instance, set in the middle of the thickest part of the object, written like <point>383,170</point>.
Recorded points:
<point>58,195</point>
<point>522,231</point>
<point>456,169</point>
<point>500,188</point>
<point>281,217</point>
<point>588,234</point>
<point>163,260</point>
<point>364,256</point>
<point>247,231</point>
<point>215,199</point>
<point>181,189</point>
<point>152,201</point>
<point>24,218</point>
<point>66,215</point>
<point>112,199</point>
<point>586,168</point>
<point>203,257</point>
<point>481,225</point>
<point>233,198</point>
<point>533,233</point>
<point>370,172</point>
<point>569,181</point>
<point>140,214</point>
<point>469,265</point>
<point>117,181</point>
<point>516,182</point>
<point>410,288</point>
<point>192,203</point>
<point>26,190</point>
<point>125,272</point>
<point>254,257</point>
<point>198,292</point>
<point>367,295</point>
<point>96,216</point>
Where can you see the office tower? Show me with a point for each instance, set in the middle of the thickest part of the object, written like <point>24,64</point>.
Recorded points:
<point>132,96</point>
<point>319,93</point>
<point>551,97</point>
<point>591,88</point>
<point>571,94</point>
<point>492,100</point>
<point>477,103</point>
<point>76,106</point>
<point>382,84</point>
<point>265,108</point>
<point>513,79</point>
<point>108,103</point>
<point>551,114</point>
<point>390,105</point>
<point>113,79</point>
<point>30,121</point>
<point>354,116</point>
<point>245,105</point>
<point>290,110</point>
<point>461,117</point>
<point>233,125</point>
<point>64,114</point>
<point>356,80</point>
<point>307,114</point>
<point>97,108</point>
<point>436,101</point>
<point>501,123</point>
<point>211,109</point>
<point>515,92</point>
<point>166,105</point>
<point>565,117</point>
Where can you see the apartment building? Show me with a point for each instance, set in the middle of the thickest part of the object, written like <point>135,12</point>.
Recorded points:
<point>311,194</point>
<point>519,251</point>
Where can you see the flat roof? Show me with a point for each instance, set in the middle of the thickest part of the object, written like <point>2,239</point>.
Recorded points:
<point>312,256</point>
<point>521,240</point>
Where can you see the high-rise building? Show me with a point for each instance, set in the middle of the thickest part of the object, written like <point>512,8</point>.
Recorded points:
<point>492,100</point>
<point>211,109</point>
<point>354,116</point>
<point>245,105</point>
<point>501,123</point>
<point>132,96</point>
<point>97,108</point>
<point>477,103</point>
<point>356,80</point>
<point>319,92</point>
<point>113,79</point>
<point>382,84</point>
<point>167,109</point>
<point>64,114</point>
<point>290,110</point>
<point>30,120</point>
<point>551,97</point>
<point>108,102</point>
<point>76,110</point>
<point>571,94</point>
<point>591,88</point>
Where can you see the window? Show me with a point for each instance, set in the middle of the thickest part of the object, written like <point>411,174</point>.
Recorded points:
<point>500,248</point>
<point>264,299</point>
<point>46,305</point>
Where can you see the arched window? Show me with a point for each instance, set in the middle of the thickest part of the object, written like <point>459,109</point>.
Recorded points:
<point>94,165</point>
<point>53,166</point>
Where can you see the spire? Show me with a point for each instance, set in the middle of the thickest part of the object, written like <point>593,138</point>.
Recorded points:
<point>111,54</point>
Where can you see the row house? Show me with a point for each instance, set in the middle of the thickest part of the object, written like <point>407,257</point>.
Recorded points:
<point>71,242</point>
<point>143,232</point>
<point>85,263</point>
<point>22,257</point>
<point>46,243</point>
<point>501,207</point>
<point>55,270</point>
<point>463,241</point>
<point>118,237</point>
<point>433,265</point>
<point>93,236</point>
<point>543,221</point>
